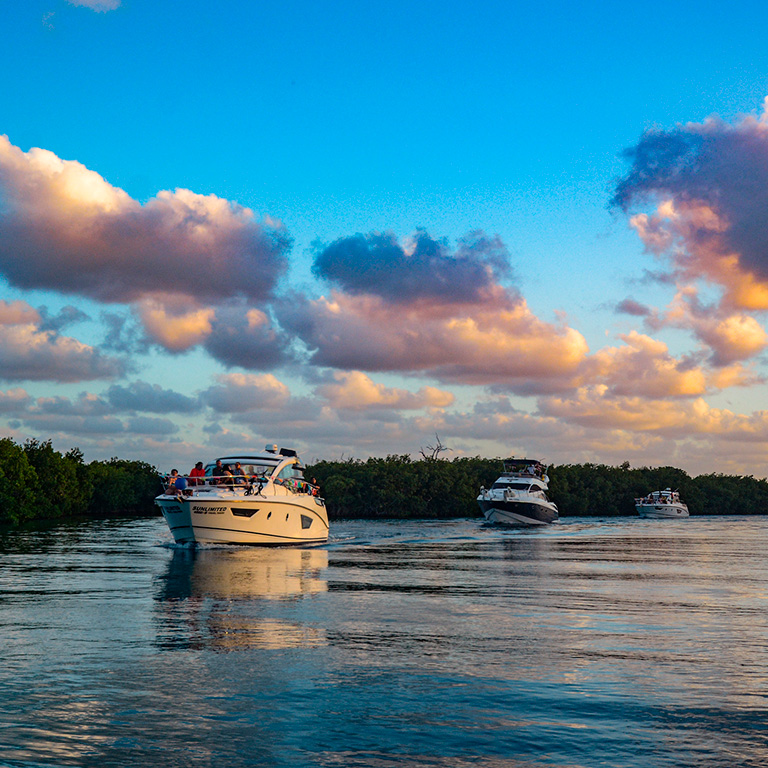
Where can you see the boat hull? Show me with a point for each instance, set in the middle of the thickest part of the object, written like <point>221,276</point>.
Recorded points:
<point>241,519</point>
<point>661,511</point>
<point>517,512</point>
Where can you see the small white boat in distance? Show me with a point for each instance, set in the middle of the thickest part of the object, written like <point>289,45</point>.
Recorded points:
<point>661,504</point>
<point>519,495</point>
<point>268,504</point>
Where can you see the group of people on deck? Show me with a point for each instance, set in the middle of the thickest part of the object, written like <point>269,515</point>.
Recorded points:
<point>222,474</point>
<point>225,474</point>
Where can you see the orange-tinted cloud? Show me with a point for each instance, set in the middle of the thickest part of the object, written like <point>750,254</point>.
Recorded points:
<point>709,184</point>
<point>495,341</point>
<point>597,407</point>
<point>644,367</point>
<point>353,390</point>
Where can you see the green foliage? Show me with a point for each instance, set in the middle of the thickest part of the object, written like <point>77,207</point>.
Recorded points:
<point>62,488</point>
<point>37,482</point>
<point>399,487</point>
<point>122,487</point>
<point>18,484</point>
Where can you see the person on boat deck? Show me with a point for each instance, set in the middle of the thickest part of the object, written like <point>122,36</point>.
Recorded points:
<point>240,478</point>
<point>172,478</point>
<point>176,483</point>
<point>217,473</point>
<point>196,472</point>
<point>229,476</point>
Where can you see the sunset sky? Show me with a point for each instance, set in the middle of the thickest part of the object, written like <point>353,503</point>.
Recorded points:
<point>353,229</point>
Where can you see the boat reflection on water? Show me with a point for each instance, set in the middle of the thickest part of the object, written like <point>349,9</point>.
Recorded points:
<point>219,598</point>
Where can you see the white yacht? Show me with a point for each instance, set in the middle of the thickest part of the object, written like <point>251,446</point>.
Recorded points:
<point>661,504</point>
<point>259,498</point>
<point>519,495</point>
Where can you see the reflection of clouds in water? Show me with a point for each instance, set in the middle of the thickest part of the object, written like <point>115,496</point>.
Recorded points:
<point>217,597</point>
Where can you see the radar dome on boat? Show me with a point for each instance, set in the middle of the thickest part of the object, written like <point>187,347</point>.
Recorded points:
<point>271,447</point>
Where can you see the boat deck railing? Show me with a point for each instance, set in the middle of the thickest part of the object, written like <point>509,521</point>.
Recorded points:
<point>247,483</point>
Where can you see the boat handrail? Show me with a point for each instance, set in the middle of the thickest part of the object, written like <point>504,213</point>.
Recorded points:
<point>246,482</point>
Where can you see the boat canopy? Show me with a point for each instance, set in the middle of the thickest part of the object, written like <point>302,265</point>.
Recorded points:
<point>258,463</point>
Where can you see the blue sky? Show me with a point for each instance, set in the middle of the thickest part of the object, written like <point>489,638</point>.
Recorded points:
<point>350,228</point>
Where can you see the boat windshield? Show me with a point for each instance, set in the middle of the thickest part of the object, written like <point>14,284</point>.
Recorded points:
<point>513,486</point>
<point>249,469</point>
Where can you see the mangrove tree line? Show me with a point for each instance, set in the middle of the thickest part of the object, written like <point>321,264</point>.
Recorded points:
<point>398,486</point>
<point>37,482</point>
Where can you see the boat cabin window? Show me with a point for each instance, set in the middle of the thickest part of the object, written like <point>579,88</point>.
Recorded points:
<point>513,486</point>
<point>291,472</point>
<point>259,469</point>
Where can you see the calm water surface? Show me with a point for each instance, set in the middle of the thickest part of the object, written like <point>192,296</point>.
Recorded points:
<point>622,642</point>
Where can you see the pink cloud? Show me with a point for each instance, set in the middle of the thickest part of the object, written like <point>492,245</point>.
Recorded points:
<point>495,341</point>
<point>66,228</point>
<point>709,185</point>
<point>29,353</point>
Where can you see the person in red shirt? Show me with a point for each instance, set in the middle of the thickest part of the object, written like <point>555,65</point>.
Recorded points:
<point>197,472</point>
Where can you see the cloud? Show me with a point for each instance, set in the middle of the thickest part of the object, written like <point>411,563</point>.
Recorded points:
<point>150,398</point>
<point>86,404</point>
<point>709,184</point>
<point>14,401</point>
<point>97,5</point>
<point>91,414</point>
<point>644,367</point>
<point>496,341</point>
<point>730,336</point>
<point>66,316</point>
<point>147,425</point>
<point>243,392</point>
<point>596,407</point>
<point>424,269</point>
<point>29,353</point>
<point>66,228</point>
<point>173,324</point>
<point>18,313</point>
<point>353,390</point>
<point>245,337</point>
<point>632,307</point>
